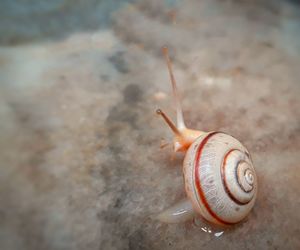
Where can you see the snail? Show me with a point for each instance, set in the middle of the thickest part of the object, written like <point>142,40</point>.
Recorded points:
<point>220,180</point>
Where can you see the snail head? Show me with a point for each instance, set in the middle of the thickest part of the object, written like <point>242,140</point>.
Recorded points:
<point>183,137</point>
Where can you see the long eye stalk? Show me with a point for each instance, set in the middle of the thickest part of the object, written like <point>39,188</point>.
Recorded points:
<point>184,137</point>
<point>180,120</point>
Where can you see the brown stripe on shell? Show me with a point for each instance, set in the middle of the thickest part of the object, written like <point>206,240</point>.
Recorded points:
<point>237,179</point>
<point>198,184</point>
<point>226,188</point>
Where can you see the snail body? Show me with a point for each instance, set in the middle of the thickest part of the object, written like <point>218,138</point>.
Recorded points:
<point>220,180</point>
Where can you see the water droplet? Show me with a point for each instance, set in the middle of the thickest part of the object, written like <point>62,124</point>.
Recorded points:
<point>218,234</point>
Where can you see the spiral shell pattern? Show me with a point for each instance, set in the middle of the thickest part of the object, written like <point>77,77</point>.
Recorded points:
<point>220,179</point>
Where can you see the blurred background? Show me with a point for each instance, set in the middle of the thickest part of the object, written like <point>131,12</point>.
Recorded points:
<point>80,160</point>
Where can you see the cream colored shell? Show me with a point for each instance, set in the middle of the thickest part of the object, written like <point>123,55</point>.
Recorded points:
<point>220,179</point>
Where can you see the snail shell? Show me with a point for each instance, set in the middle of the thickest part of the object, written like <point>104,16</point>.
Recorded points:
<point>220,179</point>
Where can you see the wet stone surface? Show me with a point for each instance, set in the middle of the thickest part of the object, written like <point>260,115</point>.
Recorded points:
<point>80,160</point>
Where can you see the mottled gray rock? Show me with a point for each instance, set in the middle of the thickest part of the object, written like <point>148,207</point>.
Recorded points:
<point>80,162</point>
